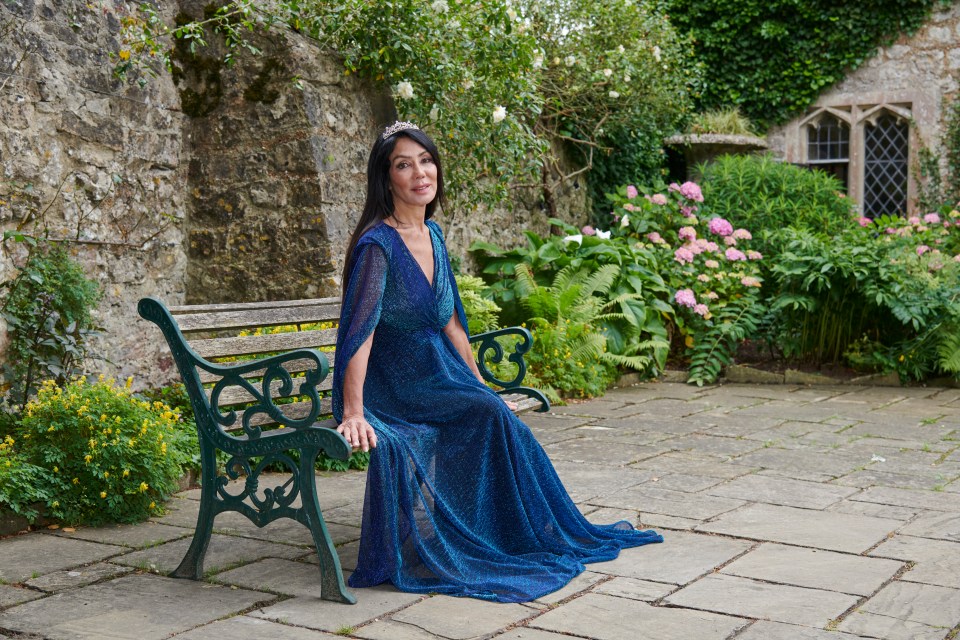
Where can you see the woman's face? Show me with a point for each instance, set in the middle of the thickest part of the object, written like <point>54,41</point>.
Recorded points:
<point>413,175</point>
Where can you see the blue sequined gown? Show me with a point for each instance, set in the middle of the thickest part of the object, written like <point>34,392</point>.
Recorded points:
<point>460,498</point>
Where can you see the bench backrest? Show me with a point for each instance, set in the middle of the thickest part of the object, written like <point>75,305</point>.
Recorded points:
<point>237,335</point>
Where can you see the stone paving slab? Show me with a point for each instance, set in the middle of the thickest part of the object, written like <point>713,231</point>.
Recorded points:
<point>324,615</point>
<point>685,482</point>
<point>36,554</point>
<point>941,526</point>
<point>782,491</point>
<point>10,595</point>
<point>223,552</point>
<point>593,451</point>
<point>804,527</point>
<point>927,604</point>
<point>814,569</point>
<point>79,577</point>
<point>878,626</point>
<point>874,510</point>
<point>875,477</point>
<point>139,607</point>
<point>634,589</point>
<point>767,630</point>
<point>754,599</point>
<point>603,617</point>
<point>910,498</point>
<point>681,557</point>
<point>937,561</point>
<point>145,534</point>
<point>649,498</point>
<point>276,576</point>
<point>697,465</point>
<point>254,628</point>
<point>462,618</point>
<point>586,481</point>
<point>801,460</point>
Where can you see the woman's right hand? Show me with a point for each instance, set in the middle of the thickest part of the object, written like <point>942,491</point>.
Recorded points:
<point>358,432</point>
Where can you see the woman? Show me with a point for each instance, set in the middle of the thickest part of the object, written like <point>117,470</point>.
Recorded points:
<point>461,499</point>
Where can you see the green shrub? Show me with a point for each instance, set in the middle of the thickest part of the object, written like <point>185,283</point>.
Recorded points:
<point>481,312</point>
<point>106,453</point>
<point>762,194</point>
<point>23,486</point>
<point>47,307</point>
<point>886,295</point>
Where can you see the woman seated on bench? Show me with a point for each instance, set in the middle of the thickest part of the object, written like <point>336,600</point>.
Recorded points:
<point>461,499</point>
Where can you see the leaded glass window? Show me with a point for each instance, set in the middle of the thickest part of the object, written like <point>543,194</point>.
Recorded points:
<point>828,147</point>
<point>886,152</point>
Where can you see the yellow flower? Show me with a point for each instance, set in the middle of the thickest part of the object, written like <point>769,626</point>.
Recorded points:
<point>163,448</point>
<point>153,504</point>
<point>143,487</point>
<point>76,481</point>
<point>56,469</point>
<point>126,473</point>
<point>106,474</point>
<point>87,458</point>
<point>129,382</point>
<point>103,417</point>
<point>55,503</point>
<point>103,494</point>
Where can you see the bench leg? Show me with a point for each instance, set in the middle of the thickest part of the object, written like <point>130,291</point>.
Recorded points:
<point>332,586</point>
<point>192,564</point>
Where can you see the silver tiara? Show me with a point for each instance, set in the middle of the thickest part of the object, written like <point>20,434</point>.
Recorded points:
<point>398,126</point>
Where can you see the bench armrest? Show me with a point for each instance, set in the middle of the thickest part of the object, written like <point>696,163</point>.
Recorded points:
<point>490,350</point>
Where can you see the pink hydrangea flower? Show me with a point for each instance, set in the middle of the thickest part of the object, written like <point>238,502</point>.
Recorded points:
<point>687,212</point>
<point>720,227</point>
<point>695,248</point>
<point>629,207</point>
<point>632,192</point>
<point>730,241</point>
<point>685,298</point>
<point>691,191</point>
<point>712,264</point>
<point>922,249</point>
<point>707,245</point>
<point>931,218</point>
<point>711,295</point>
<point>754,255</point>
<point>587,230</point>
<point>750,281</point>
<point>742,234</point>
<point>864,221</point>
<point>734,254</point>
<point>913,220</point>
<point>655,238</point>
<point>673,187</point>
<point>701,310</point>
<point>658,198</point>
<point>956,258</point>
<point>687,233</point>
<point>703,277</point>
<point>683,255</point>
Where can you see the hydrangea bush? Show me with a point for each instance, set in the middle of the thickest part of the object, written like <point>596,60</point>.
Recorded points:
<point>712,274</point>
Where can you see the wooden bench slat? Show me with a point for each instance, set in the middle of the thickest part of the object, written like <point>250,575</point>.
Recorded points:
<point>237,395</point>
<point>253,345</point>
<point>253,318</point>
<point>245,306</point>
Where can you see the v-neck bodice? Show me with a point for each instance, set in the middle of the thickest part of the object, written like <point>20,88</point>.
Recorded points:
<point>431,280</point>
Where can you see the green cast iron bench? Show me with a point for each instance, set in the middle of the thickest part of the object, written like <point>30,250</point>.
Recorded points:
<point>257,396</point>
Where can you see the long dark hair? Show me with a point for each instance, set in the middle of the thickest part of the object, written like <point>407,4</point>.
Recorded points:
<point>379,203</point>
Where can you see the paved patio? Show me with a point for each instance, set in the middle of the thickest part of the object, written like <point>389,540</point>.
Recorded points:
<point>788,512</point>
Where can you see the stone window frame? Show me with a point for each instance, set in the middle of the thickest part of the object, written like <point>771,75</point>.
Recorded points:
<point>856,113</point>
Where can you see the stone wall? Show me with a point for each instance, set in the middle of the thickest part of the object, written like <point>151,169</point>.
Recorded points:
<point>210,184</point>
<point>918,73</point>
<point>93,161</point>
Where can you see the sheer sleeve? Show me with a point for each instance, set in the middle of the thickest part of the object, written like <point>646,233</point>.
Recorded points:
<point>360,311</point>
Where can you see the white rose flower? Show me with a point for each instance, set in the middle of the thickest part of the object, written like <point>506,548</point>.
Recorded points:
<point>405,90</point>
<point>570,61</point>
<point>603,235</point>
<point>511,14</point>
<point>499,113</point>
<point>434,112</point>
<point>607,73</point>
<point>538,62</point>
<point>556,62</point>
<point>577,238</point>
<point>440,6</point>
<point>468,84</point>
<point>614,94</point>
<point>625,221</point>
<point>626,78</point>
<point>620,48</point>
<point>656,53</point>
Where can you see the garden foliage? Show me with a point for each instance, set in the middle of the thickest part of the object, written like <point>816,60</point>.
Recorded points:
<point>774,57</point>
<point>48,310</point>
<point>106,456</point>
